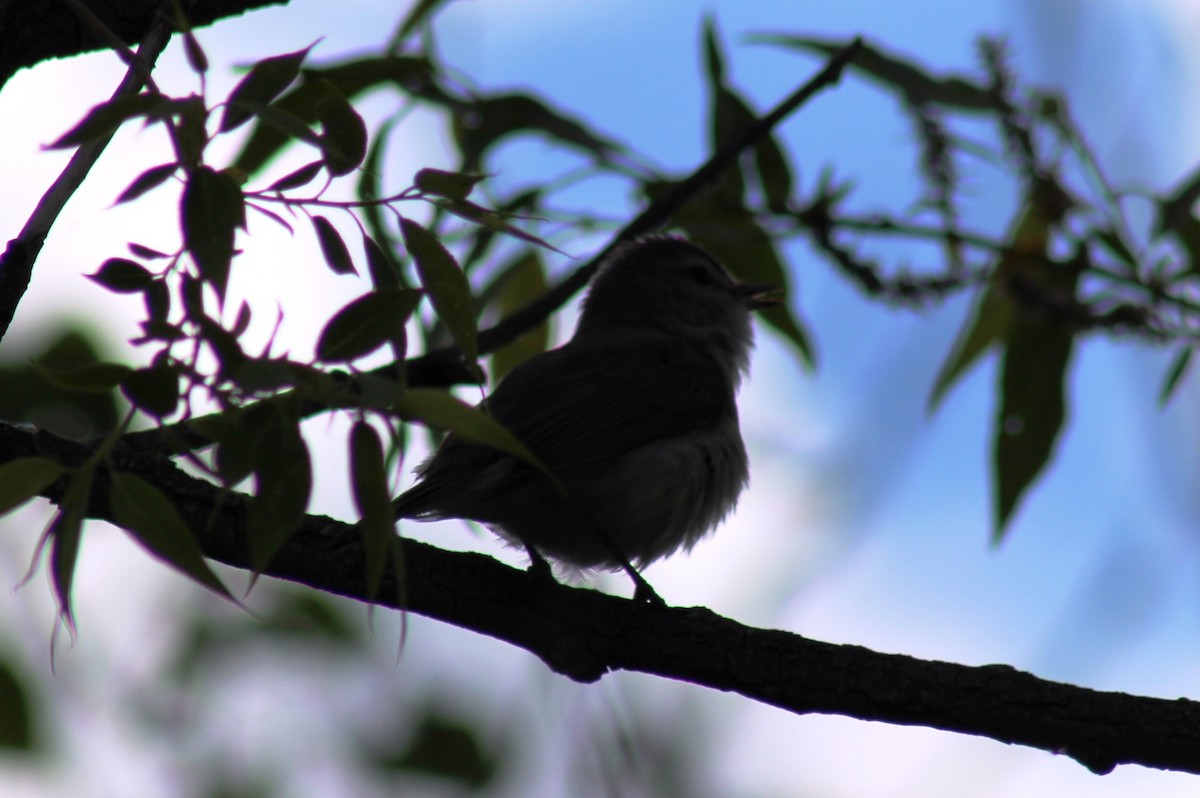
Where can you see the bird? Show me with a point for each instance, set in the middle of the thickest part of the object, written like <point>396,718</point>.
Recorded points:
<point>634,416</point>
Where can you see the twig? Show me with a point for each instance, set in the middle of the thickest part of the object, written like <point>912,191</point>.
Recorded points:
<point>16,264</point>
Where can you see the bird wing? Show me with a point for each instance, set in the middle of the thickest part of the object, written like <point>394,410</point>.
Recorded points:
<point>585,403</point>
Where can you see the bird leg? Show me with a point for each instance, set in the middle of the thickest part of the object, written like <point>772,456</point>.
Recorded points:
<point>642,592</point>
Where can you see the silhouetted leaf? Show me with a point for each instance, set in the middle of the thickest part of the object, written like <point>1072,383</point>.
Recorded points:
<point>333,248</point>
<point>299,177</point>
<point>1175,374</point>
<point>448,287</point>
<point>283,483</point>
<point>92,378</point>
<point>265,81</point>
<point>520,283</point>
<point>16,714</point>
<point>154,390</point>
<point>24,478</point>
<point>366,324</point>
<point>106,117</point>
<point>147,180</point>
<point>122,276</point>
<point>372,498</point>
<point>452,185</point>
<point>344,134</point>
<point>212,209</point>
<point>152,520</point>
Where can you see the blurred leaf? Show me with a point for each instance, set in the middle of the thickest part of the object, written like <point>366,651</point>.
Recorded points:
<point>352,78</point>
<point>122,276</point>
<point>147,180</point>
<point>366,324</point>
<point>372,498</point>
<point>265,81</point>
<point>283,484</point>
<point>196,58</point>
<point>191,132</point>
<point>241,438</point>
<point>384,271</point>
<point>333,248</point>
<point>1028,241</point>
<point>986,326</point>
<point>27,396</point>
<point>24,478</point>
<point>520,282</point>
<point>1114,243</point>
<point>212,209</point>
<point>442,411</point>
<point>452,185</point>
<point>344,136</point>
<point>1175,374</point>
<point>490,219</point>
<point>16,715</point>
<point>446,284</point>
<point>734,238</point>
<point>1175,211</point>
<point>105,118</point>
<point>914,83</point>
<point>66,529</point>
<point>225,347</point>
<point>1033,406</point>
<point>443,747</point>
<point>151,518</point>
<point>154,389</point>
<point>492,119</point>
<point>92,378</point>
<point>299,177</point>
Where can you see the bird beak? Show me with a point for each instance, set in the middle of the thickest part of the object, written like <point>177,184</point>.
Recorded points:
<point>758,296</point>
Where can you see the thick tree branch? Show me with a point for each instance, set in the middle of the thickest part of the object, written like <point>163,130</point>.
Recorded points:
<point>583,634</point>
<point>34,32</point>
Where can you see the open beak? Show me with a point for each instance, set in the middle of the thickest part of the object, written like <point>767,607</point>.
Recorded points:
<point>758,296</point>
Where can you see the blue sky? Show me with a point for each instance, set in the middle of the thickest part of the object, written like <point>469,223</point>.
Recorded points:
<point>867,522</point>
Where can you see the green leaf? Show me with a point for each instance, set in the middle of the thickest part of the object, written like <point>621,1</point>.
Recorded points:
<point>122,276</point>
<point>283,484</point>
<point>104,119</point>
<point>147,180</point>
<point>333,248</point>
<point>154,390</point>
<point>265,81</point>
<point>344,134</point>
<point>490,120</point>
<point>1033,405</point>
<point>352,78</point>
<point>372,498</point>
<point>384,271</point>
<point>1175,374</point>
<point>452,185</point>
<point>366,324</point>
<point>448,287</point>
<point>520,282</point>
<point>299,177</point>
<point>24,478</point>
<point>153,521</point>
<point>714,63</point>
<point>987,325</point>
<point>16,714</point>
<point>66,529</point>
<point>441,411</point>
<point>92,378</point>
<point>212,209</point>
<point>734,238</point>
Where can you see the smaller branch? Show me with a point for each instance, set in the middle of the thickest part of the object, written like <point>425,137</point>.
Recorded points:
<point>16,264</point>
